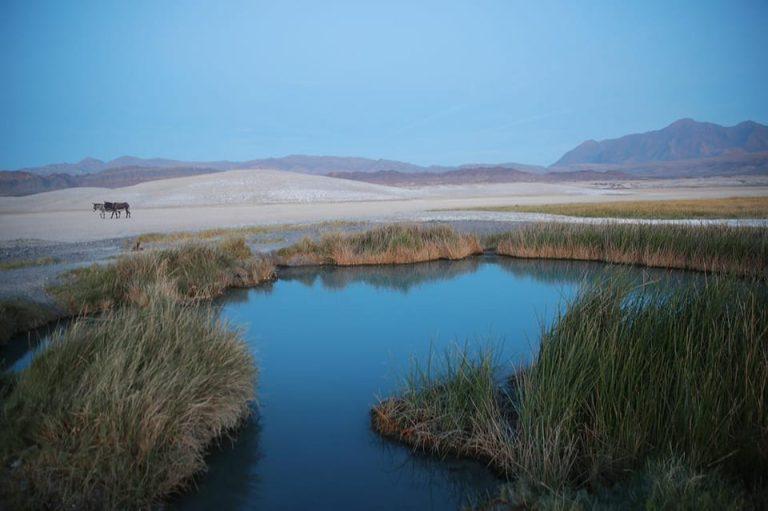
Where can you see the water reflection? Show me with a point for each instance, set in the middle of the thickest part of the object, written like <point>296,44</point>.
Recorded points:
<point>403,278</point>
<point>329,340</point>
<point>395,277</point>
<point>231,471</point>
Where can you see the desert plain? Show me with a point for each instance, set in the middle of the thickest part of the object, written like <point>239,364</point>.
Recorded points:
<point>269,197</point>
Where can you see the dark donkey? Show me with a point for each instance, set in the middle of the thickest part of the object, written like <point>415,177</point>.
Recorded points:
<point>116,208</point>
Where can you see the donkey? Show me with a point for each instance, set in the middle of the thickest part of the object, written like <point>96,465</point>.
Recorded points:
<point>117,207</point>
<point>99,206</point>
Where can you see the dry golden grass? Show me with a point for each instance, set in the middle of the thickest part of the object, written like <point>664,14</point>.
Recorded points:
<point>209,234</point>
<point>732,207</point>
<point>226,232</point>
<point>719,249</point>
<point>391,244</point>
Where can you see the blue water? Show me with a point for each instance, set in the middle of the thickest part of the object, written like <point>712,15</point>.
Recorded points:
<point>329,341</point>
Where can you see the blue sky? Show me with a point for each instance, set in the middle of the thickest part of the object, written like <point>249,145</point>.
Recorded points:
<point>429,82</point>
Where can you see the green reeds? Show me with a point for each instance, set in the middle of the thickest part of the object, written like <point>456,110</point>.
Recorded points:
<point>118,410</point>
<point>627,374</point>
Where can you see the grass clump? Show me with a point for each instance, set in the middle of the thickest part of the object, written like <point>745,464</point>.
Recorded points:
<point>452,408</point>
<point>189,272</point>
<point>26,263</point>
<point>117,412</point>
<point>20,314</point>
<point>391,244</point>
<point>734,250</point>
<point>728,208</point>
<point>623,377</point>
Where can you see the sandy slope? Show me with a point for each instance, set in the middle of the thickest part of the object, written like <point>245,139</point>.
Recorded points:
<point>249,197</point>
<point>234,187</point>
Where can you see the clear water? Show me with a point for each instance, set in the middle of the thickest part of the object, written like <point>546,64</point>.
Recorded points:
<point>329,341</point>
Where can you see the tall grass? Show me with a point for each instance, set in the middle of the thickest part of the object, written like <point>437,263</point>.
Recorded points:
<point>391,244</point>
<point>623,376</point>
<point>189,272</point>
<point>734,250</point>
<point>117,412</point>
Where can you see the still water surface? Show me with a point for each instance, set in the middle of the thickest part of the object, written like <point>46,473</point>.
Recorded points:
<point>329,341</point>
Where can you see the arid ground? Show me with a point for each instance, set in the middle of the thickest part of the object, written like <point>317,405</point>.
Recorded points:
<point>264,197</point>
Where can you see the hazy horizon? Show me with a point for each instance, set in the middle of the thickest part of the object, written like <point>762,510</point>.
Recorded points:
<point>441,83</point>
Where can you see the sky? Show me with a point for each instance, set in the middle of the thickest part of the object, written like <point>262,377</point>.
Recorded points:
<point>430,82</point>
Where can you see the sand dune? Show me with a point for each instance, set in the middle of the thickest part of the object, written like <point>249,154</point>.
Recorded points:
<point>233,187</point>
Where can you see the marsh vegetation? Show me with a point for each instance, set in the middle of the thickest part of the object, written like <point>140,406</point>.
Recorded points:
<point>638,394</point>
<point>187,272</point>
<point>710,248</point>
<point>390,244</point>
<point>624,377</point>
<point>118,411</point>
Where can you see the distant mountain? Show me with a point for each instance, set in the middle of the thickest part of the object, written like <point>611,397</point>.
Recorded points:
<point>293,163</point>
<point>726,165</point>
<point>27,183</point>
<point>327,164</point>
<point>685,139</point>
<point>685,148</point>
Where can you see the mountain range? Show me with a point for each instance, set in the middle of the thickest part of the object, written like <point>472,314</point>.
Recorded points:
<point>685,139</point>
<point>685,148</point>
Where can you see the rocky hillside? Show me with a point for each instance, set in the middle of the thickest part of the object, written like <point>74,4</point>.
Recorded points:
<point>685,139</point>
